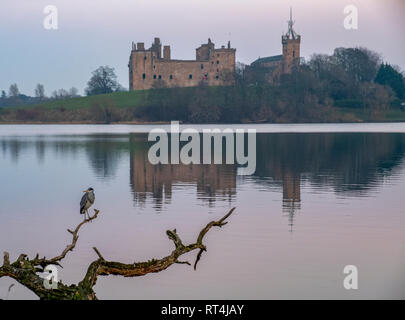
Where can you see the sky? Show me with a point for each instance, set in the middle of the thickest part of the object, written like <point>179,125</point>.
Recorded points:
<point>99,32</point>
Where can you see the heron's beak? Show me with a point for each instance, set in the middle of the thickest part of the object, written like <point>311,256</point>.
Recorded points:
<point>85,190</point>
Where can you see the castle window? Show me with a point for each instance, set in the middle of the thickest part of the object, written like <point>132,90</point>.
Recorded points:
<point>217,61</point>
<point>217,77</point>
<point>202,66</point>
<point>160,77</point>
<point>171,77</point>
<point>293,54</point>
<point>190,76</point>
<point>154,76</point>
<point>154,67</point>
<point>143,76</point>
<point>217,70</point>
<point>144,58</point>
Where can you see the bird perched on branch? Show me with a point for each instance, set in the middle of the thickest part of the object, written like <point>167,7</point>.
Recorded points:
<point>87,201</point>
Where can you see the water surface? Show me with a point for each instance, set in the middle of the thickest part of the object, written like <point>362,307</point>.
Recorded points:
<point>322,197</point>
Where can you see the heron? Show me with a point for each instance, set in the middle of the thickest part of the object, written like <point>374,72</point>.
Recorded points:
<point>87,201</point>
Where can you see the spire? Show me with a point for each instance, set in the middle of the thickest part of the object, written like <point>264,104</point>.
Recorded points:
<point>291,34</point>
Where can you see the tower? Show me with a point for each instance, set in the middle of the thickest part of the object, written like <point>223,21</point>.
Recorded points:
<point>291,47</point>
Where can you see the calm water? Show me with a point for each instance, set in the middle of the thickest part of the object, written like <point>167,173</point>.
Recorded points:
<point>322,197</point>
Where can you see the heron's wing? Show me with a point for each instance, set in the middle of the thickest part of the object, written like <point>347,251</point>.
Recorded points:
<point>83,201</point>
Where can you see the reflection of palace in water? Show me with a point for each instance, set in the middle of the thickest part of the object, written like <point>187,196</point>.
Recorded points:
<point>211,181</point>
<point>291,185</point>
<point>157,181</point>
<point>349,164</point>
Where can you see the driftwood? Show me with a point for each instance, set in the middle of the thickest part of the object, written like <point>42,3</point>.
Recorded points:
<point>25,270</point>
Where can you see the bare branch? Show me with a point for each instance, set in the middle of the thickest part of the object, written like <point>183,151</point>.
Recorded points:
<point>75,236</point>
<point>183,262</point>
<point>98,253</point>
<point>6,260</point>
<point>25,271</point>
<point>101,267</point>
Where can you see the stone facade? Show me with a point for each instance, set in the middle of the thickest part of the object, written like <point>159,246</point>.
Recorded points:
<point>148,68</point>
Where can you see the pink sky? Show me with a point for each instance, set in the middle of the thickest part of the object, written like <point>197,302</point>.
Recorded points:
<point>99,32</point>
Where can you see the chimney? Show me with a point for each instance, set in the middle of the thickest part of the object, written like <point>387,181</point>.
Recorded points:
<point>140,46</point>
<point>166,52</point>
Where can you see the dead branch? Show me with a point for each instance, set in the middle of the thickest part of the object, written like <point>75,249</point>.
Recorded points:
<point>25,271</point>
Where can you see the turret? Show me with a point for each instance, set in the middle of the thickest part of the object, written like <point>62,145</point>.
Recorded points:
<point>291,46</point>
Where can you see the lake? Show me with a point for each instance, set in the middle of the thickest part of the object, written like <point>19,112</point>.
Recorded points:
<point>322,197</point>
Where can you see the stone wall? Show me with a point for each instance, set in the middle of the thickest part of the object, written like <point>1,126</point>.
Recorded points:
<point>148,69</point>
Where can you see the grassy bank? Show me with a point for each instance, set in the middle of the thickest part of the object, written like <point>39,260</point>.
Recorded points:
<point>202,105</point>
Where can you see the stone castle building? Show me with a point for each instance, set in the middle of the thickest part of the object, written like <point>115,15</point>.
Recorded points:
<point>274,66</point>
<point>148,68</point>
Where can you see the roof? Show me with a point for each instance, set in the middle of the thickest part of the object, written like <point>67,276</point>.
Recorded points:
<point>268,59</point>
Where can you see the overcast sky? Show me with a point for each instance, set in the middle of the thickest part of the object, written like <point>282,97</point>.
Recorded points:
<point>99,32</point>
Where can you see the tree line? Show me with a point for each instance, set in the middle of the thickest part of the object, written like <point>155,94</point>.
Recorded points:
<point>326,88</point>
<point>317,90</point>
<point>103,80</point>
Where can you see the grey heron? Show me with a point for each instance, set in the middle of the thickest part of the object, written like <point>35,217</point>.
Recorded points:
<point>87,201</point>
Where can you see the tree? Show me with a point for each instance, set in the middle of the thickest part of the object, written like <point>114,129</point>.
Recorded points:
<point>3,94</point>
<point>103,80</point>
<point>73,92</point>
<point>25,270</point>
<point>387,75</point>
<point>360,63</point>
<point>40,91</point>
<point>60,94</point>
<point>13,92</point>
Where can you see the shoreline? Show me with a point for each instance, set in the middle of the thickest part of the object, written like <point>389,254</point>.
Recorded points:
<point>184,123</point>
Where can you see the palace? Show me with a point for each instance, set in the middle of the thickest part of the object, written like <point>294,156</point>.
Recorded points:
<point>148,68</point>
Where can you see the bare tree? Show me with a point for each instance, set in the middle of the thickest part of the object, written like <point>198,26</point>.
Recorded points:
<point>25,270</point>
<point>40,91</point>
<point>73,92</point>
<point>13,92</point>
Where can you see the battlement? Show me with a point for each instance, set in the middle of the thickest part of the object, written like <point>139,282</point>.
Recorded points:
<point>148,68</point>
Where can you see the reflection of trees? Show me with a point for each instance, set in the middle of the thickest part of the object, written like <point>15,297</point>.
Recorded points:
<point>157,180</point>
<point>40,150</point>
<point>103,152</point>
<point>105,155</point>
<point>14,148</point>
<point>349,163</point>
